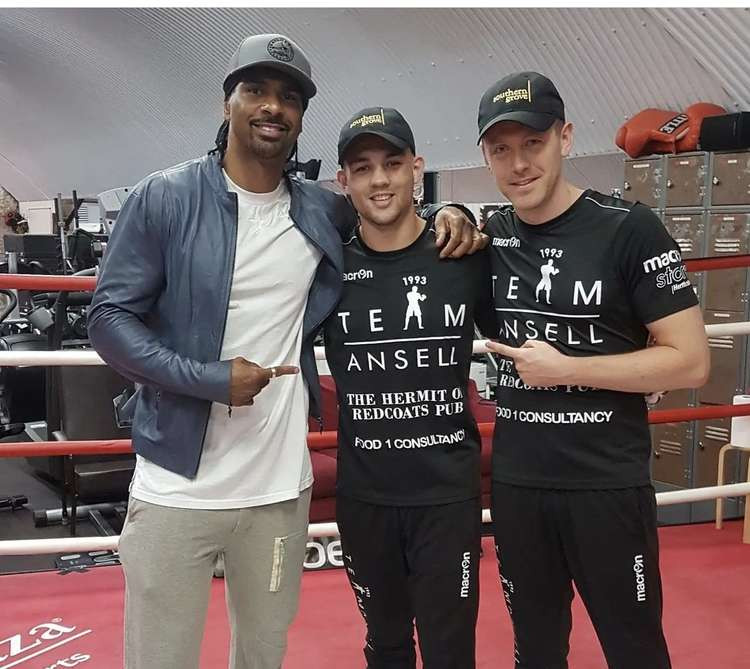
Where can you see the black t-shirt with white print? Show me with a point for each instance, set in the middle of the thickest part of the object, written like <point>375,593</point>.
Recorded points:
<point>399,349</point>
<point>586,282</point>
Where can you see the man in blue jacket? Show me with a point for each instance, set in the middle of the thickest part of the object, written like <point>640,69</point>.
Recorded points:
<point>215,263</point>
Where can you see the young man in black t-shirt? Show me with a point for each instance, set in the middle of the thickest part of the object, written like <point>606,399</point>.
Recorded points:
<point>580,281</point>
<point>399,348</point>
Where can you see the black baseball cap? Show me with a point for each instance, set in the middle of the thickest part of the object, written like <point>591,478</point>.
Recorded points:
<point>380,121</point>
<point>528,98</point>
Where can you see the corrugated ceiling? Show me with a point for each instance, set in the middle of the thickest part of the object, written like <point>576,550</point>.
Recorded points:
<point>91,99</point>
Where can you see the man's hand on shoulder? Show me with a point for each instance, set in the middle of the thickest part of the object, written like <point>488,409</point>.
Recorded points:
<point>457,236</point>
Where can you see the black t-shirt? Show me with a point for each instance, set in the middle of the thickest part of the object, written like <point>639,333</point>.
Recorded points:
<point>399,349</point>
<point>586,282</point>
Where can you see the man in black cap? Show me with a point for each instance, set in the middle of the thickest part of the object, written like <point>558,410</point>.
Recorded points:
<point>572,496</point>
<point>399,348</point>
<point>218,275</point>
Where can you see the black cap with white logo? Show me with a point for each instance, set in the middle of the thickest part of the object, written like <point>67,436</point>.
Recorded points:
<point>381,121</point>
<point>277,52</point>
<point>528,98</point>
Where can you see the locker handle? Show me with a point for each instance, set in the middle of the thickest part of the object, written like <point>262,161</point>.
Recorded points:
<point>626,185</point>
<point>670,183</point>
<point>715,181</point>
<point>656,453</point>
<point>701,446</point>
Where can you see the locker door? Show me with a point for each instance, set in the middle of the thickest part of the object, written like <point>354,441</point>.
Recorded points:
<point>643,181</point>
<point>671,445</point>
<point>730,181</point>
<point>689,231</point>
<point>728,234</point>
<point>686,180</point>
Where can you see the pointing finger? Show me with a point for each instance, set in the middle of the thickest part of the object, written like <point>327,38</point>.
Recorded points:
<point>282,370</point>
<point>503,349</point>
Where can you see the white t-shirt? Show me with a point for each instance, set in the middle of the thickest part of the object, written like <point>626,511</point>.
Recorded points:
<point>258,455</point>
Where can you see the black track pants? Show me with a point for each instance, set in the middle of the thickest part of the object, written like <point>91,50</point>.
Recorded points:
<point>605,542</point>
<point>414,563</point>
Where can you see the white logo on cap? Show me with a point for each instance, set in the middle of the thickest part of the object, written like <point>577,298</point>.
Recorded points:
<point>281,49</point>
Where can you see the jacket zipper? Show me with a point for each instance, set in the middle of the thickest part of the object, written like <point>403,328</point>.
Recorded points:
<point>230,276</point>
<point>229,294</point>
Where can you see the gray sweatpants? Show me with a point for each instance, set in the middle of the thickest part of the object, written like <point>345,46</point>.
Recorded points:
<point>168,555</point>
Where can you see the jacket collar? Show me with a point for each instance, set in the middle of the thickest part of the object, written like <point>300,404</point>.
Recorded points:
<point>212,168</point>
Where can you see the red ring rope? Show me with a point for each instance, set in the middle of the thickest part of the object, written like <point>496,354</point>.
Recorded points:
<point>724,262</point>
<point>699,413</point>
<point>46,282</point>
<point>319,440</point>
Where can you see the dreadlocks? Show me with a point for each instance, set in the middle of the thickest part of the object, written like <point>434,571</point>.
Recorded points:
<point>221,140</point>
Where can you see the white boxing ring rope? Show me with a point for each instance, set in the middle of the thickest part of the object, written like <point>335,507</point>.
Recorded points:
<point>90,357</point>
<point>82,544</point>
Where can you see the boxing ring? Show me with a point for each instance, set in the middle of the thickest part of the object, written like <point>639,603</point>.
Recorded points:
<point>53,621</point>
<point>323,439</point>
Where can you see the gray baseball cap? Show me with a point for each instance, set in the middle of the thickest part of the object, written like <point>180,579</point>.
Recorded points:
<point>274,51</point>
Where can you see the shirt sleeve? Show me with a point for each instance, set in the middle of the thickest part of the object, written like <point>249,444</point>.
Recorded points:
<point>652,268</point>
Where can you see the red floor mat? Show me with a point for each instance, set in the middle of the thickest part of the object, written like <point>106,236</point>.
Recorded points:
<point>47,619</point>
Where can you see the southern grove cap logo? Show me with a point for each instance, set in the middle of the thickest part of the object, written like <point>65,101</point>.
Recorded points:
<point>368,119</point>
<point>281,49</point>
<point>513,95</point>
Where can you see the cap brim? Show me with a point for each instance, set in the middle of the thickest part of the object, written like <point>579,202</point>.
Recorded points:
<point>309,89</point>
<point>396,141</point>
<point>536,120</point>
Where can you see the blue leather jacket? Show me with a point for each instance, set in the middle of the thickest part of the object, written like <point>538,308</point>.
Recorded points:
<point>160,306</point>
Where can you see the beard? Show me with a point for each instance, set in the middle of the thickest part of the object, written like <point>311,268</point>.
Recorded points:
<point>249,142</point>
<point>270,150</point>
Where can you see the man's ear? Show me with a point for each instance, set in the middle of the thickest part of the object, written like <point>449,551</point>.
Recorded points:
<point>566,139</point>
<point>226,109</point>
<point>341,178</point>
<point>484,155</point>
<point>418,168</point>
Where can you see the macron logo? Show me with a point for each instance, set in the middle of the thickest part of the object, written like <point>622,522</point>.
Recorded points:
<point>640,579</point>
<point>465,575</point>
<point>661,261</point>
<point>358,276</point>
<point>510,242</point>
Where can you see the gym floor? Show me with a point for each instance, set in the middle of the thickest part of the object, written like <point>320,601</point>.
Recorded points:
<point>706,585</point>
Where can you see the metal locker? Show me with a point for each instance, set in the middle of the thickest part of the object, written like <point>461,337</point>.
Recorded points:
<point>643,181</point>
<point>727,361</point>
<point>712,435</point>
<point>672,445</point>
<point>728,234</point>
<point>689,231</point>
<point>686,180</point>
<point>677,399</point>
<point>730,179</point>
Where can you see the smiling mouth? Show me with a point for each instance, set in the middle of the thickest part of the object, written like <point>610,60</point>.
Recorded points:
<point>523,182</point>
<point>381,198</point>
<point>270,130</point>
